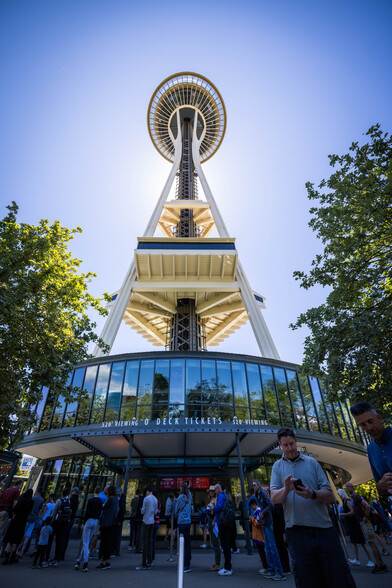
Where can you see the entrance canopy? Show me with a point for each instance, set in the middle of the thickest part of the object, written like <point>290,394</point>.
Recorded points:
<point>165,440</point>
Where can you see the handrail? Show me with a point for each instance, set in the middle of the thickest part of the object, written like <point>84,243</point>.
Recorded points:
<point>180,574</point>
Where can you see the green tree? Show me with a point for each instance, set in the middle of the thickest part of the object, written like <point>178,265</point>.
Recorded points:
<point>351,333</point>
<point>44,326</point>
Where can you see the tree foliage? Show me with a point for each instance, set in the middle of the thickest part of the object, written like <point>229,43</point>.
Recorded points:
<point>44,326</point>
<point>351,333</point>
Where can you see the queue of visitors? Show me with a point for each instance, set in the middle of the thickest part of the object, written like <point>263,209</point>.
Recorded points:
<point>292,516</point>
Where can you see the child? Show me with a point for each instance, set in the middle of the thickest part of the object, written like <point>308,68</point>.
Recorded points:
<point>43,541</point>
<point>258,534</point>
<point>203,522</point>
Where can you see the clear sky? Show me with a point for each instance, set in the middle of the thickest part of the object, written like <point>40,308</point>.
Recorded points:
<point>300,80</point>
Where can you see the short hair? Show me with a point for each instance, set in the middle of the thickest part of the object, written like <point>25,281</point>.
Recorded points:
<point>112,490</point>
<point>257,482</point>
<point>360,407</point>
<point>253,500</point>
<point>285,432</point>
<point>66,492</point>
<point>148,488</point>
<point>97,490</point>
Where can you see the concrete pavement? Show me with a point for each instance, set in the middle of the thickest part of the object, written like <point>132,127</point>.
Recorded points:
<point>162,575</point>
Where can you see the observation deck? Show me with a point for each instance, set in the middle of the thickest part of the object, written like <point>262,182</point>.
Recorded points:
<point>186,92</point>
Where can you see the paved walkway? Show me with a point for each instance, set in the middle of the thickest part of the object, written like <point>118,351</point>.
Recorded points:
<point>162,575</point>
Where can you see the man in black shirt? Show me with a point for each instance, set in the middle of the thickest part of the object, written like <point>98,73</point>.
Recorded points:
<point>74,500</point>
<point>91,520</point>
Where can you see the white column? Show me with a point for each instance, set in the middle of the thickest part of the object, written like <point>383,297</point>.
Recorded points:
<point>263,336</point>
<point>116,315</point>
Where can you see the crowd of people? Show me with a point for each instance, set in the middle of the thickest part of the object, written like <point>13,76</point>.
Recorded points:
<point>295,516</point>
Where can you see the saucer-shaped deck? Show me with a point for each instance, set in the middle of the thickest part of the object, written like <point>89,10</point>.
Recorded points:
<point>186,92</point>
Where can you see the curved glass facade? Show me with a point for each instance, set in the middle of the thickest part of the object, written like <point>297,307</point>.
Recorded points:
<point>216,385</point>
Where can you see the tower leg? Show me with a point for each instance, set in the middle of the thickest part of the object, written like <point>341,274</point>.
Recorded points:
<point>116,315</point>
<point>260,329</point>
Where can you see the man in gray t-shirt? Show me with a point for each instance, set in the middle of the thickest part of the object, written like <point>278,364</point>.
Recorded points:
<point>299,482</point>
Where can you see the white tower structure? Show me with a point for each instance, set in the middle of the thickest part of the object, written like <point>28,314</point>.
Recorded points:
<point>187,290</point>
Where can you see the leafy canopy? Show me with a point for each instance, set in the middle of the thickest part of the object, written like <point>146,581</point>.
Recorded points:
<point>44,326</point>
<point>351,333</point>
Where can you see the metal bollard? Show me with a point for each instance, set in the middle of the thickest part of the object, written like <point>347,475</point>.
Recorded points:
<point>180,576</point>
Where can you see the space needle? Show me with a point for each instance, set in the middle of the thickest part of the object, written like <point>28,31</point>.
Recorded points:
<point>187,290</point>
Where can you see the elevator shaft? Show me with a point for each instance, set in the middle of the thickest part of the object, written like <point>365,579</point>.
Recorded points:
<point>186,327</point>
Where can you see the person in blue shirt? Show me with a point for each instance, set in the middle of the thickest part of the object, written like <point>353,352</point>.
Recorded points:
<point>275,570</point>
<point>380,449</point>
<point>224,532</point>
<point>183,510</point>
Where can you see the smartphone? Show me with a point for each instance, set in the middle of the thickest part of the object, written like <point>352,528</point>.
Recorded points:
<point>297,483</point>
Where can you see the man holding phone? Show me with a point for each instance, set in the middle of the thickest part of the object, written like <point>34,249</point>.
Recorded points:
<point>299,482</point>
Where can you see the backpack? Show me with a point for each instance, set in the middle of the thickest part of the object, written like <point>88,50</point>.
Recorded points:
<point>227,514</point>
<point>203,515</point>
<point>65,510</point>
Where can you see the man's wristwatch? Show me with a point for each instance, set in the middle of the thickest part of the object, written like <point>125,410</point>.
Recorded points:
<point>314,495</point>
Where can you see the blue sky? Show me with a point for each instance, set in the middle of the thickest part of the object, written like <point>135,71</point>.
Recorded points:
<point>299,79</point>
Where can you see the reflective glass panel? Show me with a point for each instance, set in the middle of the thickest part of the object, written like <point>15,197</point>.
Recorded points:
<point>47,416</point>
<point>102,386</point>
<point>208,378</point>
<point>161,382</point>
<point>348,421</point>
<point>58,412</point>
<point>144,395</point>
<point>226,413</point>
<point>254,383</point>
<point>340,419</point>
<point>193,387</point>
<point>210,410</point>
<point>267,380</point>
<point>40,408</point>
<point>115,385</point>
<point>127,413</point>
<point>284,398</point>
<point>143,412</point>
<point>225,388</point>
<point>41,403</point>
<point>176,411</point>
<point>242,413</point>
<point>320,405</point>
<point>296,399</point>
<point>240,386</point>
<point>77,382</point>
<point>130,382</point>
<point>177,381</point>
<point>309,404</point>
<point>193,410</point>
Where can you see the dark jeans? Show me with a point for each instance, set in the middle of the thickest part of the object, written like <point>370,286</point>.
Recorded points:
<point>154,539</point>
<point>318,558</point>
<point>67,533</point>
<point>186,531</point>
<point>107,542</point>
<point>59,531</point>
<point>282,550</point>
<point>225,534</point>
<point>40,554</point>
<point>261,550</point>
<point>147,544</point>
<point>132,535</point>
<point>117,538</point>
